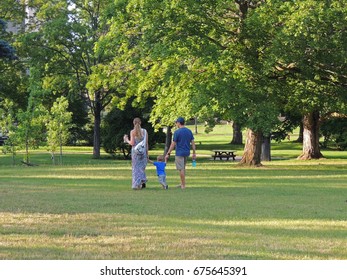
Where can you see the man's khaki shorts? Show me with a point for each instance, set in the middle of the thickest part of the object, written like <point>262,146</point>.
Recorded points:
<point>180,162</point>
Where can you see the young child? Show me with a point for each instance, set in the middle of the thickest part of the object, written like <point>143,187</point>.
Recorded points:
<point>160,164</point>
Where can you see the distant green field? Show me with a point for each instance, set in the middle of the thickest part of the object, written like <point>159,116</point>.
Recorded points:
<point>85,209</point>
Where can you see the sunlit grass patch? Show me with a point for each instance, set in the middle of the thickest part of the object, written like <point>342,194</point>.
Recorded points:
<point>123,236</point>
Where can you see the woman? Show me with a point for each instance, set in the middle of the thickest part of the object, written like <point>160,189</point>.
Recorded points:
<point>139,162</point>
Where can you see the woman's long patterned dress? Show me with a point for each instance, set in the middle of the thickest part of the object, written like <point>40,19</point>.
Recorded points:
<point>139,163</point>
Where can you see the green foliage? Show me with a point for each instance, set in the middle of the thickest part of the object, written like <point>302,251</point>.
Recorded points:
<point>335,129</point>
<point>11,69</point>
<point>65,51</point>
<point>10,11</point>
<point>6,50</point>
<point>30,132</point>
<point>13,84</point>
<point>245,61</point>
<point>303,47</point>
<point>58,126</point>
<point>30,129</point>
<point>8,128</point>
<point>287,125</point>
<point>118,122</point>
<point>194,61</point>
<point>159,41</point>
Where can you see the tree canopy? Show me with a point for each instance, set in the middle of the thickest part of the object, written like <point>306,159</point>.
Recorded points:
<point>247,61</point>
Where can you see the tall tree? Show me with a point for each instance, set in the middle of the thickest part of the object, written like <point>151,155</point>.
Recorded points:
<point>63,37</point>
<point>190,57</point>
<point>306,54</point>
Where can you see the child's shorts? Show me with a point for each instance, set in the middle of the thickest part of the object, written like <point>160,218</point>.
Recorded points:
<point>162,179</point>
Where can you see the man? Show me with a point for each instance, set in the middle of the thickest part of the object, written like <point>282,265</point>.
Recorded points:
<point>182,139</point>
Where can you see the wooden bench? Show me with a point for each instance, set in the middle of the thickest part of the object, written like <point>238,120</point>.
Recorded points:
<point>221,154</point>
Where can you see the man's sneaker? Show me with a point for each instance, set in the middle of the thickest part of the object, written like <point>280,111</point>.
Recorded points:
<point>143,185</point>
<point>167,187</point>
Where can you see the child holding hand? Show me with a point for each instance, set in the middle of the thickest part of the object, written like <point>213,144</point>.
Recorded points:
<point>160,164</point>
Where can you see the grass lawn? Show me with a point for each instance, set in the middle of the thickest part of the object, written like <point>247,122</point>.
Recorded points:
<point>86,209</point>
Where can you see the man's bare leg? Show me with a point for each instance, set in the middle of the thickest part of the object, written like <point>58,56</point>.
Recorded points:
<point>183,178</point>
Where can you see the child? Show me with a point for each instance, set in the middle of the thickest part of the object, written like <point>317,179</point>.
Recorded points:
<point>160,164</point>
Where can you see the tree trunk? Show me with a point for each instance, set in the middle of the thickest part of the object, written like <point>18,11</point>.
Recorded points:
<point>53,158</point>
<point>13,157</point>
<point>96,142</point>
<point>301,134</point>
<point>252,152</point>
<point>168,139</point>
<point>26,151</point>
<point>266,149</point>
<point>61,153</point>
<point>97,123</point>
<point>243,8</point>
<point>237,134</point>
<point>310,149</point>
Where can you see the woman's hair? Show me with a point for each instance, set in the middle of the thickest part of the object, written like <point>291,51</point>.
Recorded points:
<point>137,128</point>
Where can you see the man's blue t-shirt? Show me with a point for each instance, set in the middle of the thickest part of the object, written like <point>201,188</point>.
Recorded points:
<point>160,165</point>
<point>183,136</point>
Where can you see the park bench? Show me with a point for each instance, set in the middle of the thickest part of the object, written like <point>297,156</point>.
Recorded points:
<point>222,154</point>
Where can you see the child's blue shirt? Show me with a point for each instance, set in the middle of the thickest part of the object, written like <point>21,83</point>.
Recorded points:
<point>160,165</point>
